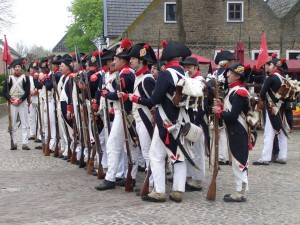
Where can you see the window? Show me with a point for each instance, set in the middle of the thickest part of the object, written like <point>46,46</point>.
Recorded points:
<point>170,12</point>
<point>254,53</point>
<point>293,54</point>
<point>235,11</point>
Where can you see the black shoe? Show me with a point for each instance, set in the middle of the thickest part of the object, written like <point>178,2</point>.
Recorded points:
<point>228,198</point>
<point>31,138</point>
<point>94,173</point>
<point>77,162</point>
<point>122,182</point>
<point>60,156</point>
<point>68,160</point>
<point>260,163</point>
<point>25,147</point>
<point>119,179</point>
<point>82,165</point>
<point>14,147</point>
<point>141,169</point>
<point>65,157</point>
<point>222,163</point>
<point>37,141</point>
<point>106,185</point>
<point>39,147</point>
<point>190,188</point>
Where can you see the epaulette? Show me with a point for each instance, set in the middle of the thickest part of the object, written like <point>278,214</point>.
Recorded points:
<point>242,92</point>
<point>126,71</point>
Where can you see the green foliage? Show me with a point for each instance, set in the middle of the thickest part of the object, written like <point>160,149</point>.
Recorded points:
<point>2,79</point>
<point>88,17</point>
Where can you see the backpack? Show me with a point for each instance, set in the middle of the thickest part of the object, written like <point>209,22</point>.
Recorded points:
<point>188,90</point>
<point>289,89</point>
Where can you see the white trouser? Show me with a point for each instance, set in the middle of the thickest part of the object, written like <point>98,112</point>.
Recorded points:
<point>240,176</point>
<point>157,155</point>
<point>115,146</point>
<point>22,110</point>
<point>52,122</point>
<point>33,117</point>
<point>223,145</point>
<point>269,134</point>
<point>145,140</point>
<point>62,130</point>
<point>199,160</point>
<point>70,130</point>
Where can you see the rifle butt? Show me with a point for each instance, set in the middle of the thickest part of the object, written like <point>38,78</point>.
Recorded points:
<point>101,174</point>
<point>211,193</point>
<point>129,181</point>
<point>145,187</point>
<point>56,151</point>
<point>90,166</point>
<point>47,150</point>
<point>74,157</point>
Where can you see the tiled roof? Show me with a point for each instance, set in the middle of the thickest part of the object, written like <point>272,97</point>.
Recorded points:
<point>281,7</point>
<point>12,51</point>
<point>122,13</point>
<point>60,47</point>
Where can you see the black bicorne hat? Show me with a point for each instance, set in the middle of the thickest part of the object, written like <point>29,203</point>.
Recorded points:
<point>44,63</point>
<point>224,55</point>
<point>280,64</point>
<point>78,58</point>
<point>34,65</point>
<point>68,61</point>
<point>123,50</point>
<point>93,58</point>
<point>243,70</point>
<point>144,52</point>
<point>175,49</point>
<point>55,59</point>
<point>189,61</point>
<point>20,61</point>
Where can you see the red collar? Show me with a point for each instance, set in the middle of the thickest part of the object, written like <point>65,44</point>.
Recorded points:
<point>126,66</point>
<point>68,73</point>
<point>275,71</point>
<point>236,83</point>
<point>17,75</point>
<point>94,68</point>
<point>197,74</point>
<point>141,71</point>
<point>56,70</point>
<point>171,64</point>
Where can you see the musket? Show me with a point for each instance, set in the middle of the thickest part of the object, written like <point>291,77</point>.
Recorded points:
<point>9,110</point>
<point>95,130</point>
<point>106,112</point>
<point>55,93</point>
<point>40,121</point>
<point>129,181</point>
<point>211,193</point>
<point>47,150</point>
<point>158,44</point>
<point>71,91</point>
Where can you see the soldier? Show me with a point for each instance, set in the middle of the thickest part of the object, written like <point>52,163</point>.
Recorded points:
<point>33,110</point>
<point>116,139</point>
<point>165,136</point>
<point>223,60</point>
<point>275,113</point>
<point>16,90</point>
<point>196,177</point>
<point>236,106</point>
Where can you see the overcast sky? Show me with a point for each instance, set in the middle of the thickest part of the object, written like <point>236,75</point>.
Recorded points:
<point>38,22</point>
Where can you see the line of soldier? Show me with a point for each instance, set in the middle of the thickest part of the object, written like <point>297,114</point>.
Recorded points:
<point>78,102</point>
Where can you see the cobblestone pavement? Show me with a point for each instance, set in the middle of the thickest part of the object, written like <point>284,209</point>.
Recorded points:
<point>35,189</point>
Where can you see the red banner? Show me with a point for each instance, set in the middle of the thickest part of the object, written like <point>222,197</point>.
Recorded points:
<point>263,56</point>
<point>6,56</point>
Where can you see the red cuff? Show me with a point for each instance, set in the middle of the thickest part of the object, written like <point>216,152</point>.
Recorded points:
<point>19,101</point>
<point>112,111</point>
<point>135,98</point>
<point>95,107</point>
<point>11,100</point>
<point>104,92</point>
<point>94,77</point>
<point>218,113</point>
<point>69,108</point>
<point>222,106</point>
<point>125,97</point>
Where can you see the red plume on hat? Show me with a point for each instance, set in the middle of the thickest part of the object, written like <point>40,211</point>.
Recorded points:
<point>274,55</point>
<point>101,53</point>
<point>126,44</point>
<point>283,60</point>
<point>95,53</point>
<point>247,67</point>
<point>73,54</point>
<point>221,49</point>
<point>254,68</point>
<point>24,61</point>
<point>164,43</point>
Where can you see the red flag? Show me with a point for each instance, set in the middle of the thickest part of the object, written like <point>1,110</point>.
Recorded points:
<point>263,56</point>
<point>6,56</point>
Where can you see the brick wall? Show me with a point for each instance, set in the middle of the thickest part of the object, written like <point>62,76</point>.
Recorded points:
<point>207,29</point>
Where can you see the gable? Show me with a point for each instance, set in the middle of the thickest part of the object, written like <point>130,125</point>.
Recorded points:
<point>281,7</point>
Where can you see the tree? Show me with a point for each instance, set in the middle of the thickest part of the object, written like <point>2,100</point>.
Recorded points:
<point>87,26</point>
<point>37,51</point>
<point>180,25</point>
<point>6,15</point>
